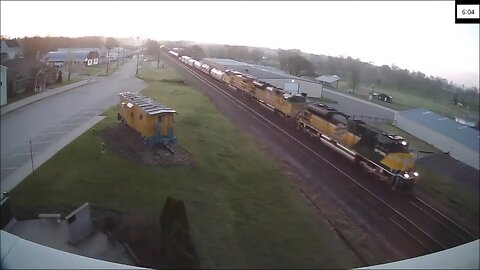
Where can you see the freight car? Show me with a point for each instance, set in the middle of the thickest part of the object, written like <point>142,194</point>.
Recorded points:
<point>151,119</point>
<point>205,69</point>
<point>384,155</point>
<point>216,74</point>
<point>173,53</point>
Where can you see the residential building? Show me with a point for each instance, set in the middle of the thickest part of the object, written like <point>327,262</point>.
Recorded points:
<point>10,49</point>
<point>62,58</point>
<point>28,75</point>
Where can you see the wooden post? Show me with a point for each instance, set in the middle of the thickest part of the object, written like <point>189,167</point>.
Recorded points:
<point>31,155</point>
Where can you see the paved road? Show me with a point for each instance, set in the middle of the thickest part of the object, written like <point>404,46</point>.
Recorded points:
<point>355,106</point>
<point>49,120</point>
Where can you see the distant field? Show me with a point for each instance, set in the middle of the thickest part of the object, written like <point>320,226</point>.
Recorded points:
<point>243,212</point>
<point>404,99</point>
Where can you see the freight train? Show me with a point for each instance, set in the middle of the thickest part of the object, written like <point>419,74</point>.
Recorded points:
<point>386,156</point>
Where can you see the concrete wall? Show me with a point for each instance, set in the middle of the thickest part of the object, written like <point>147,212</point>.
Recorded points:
<point>3,89</point>
<point>455,149</point>
<point>312,89</point>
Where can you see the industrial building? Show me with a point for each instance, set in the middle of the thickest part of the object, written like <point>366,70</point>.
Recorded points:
<point>270,75</point>
<point>459,141</point>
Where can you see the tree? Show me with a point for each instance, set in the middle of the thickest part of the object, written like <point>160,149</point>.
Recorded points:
<point>109,44</point>
<point>295,64</point>
<point>255,55</point>
<point>455,99</point>
<point>152,47</point>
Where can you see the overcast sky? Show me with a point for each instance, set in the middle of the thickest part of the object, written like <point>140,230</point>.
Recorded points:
<point>415,35</point>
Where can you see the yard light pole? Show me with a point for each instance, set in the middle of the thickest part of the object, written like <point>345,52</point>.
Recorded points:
<point>137,62</point>
<point>108,59</point>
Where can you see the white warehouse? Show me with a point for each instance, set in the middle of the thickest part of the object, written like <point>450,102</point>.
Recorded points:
<point>460,141</point>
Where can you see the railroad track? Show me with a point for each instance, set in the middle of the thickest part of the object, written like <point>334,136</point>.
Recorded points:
<point>425,225</point>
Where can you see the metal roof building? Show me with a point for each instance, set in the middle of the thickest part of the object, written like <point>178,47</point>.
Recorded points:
<point>270,75</point>
<point>460,141</point>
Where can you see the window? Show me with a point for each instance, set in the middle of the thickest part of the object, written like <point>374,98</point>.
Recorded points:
<point>141,116</point>
<point>20,85</point>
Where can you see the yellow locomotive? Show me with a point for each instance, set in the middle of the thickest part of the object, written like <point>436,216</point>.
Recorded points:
<point>384,155</point>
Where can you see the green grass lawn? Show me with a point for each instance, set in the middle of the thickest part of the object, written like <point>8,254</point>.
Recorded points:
<point>243,212</point>
<point>99,70</point>
<point>462,201</point>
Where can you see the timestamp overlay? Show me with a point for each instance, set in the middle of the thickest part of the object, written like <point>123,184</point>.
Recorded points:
<point>467,12</point>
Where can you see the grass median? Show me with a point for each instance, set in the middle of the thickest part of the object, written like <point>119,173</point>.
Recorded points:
<point>243,212</point>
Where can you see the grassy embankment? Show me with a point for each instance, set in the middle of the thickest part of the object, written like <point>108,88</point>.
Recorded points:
<point>447,191</point>
<point>243,212</point>
<point>63,83</point>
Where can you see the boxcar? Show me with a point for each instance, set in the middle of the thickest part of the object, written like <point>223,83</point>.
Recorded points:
<point>151,119</point>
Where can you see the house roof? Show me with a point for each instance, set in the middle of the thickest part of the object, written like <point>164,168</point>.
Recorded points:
<point>224,62</point>
<point>11,43</point>
<point>24,67</point>
<point>61,56</point>
<point>148,105</point>
<point>460,133</point>
<point>328,78</point>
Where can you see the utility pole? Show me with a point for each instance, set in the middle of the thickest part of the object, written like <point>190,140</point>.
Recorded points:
<point>158,58</point>
<point>31,155</point>
<point>138,56</point>
<point>118,57</point>
<point>108,59</point>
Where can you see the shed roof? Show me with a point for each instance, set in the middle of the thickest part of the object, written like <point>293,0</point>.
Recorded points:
<point>225,62</point>
<point>148,105</point>
<point>460,133</point>
<point>66,55</point>
<point>23,67</point>
<point>11,43</point>
<point>328,78</point>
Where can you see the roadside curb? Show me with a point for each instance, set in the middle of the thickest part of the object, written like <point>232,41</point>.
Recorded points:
<point>24,102</point>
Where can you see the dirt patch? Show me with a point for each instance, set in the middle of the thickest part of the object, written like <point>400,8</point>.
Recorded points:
<point>175,81</point>
<point>125,142</point>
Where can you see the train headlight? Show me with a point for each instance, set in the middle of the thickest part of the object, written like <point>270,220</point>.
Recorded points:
<point>404,143</point>
<point>416,174</point>
<point>406,175</point>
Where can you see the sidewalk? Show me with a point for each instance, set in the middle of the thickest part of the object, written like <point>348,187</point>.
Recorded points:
<point>25,170</point>
<point>47,93</point>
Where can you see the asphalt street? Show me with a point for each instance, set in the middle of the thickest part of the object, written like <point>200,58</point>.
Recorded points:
<point>357,107</point>
<point>49,120</point>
